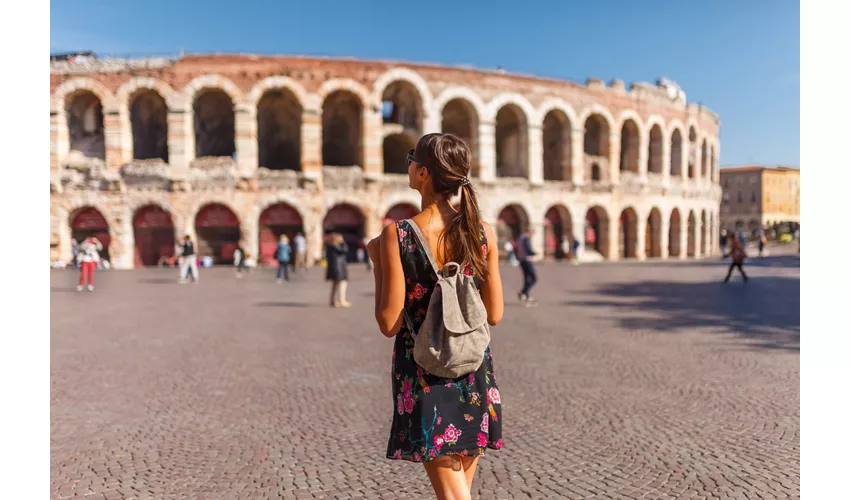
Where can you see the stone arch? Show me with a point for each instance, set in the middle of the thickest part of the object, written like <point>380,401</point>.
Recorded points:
<point>153,235</point>
<point>206,83</point>
<point>218,232</point>
<point>552,104</point>
<point>558,232</point>
<point>630,146</point>
<point>653,233</point>
<point>342,129</point>
<point>557,146</point>
<point>280,83</point>
<point>83,113</point>
<point>674,234</point>
<point>692,234</point>
<point>409,77</point>
<point>399,211</point>
<point>396,147</point>
<point>76,84</point>
<point>89,220</point>
<point>460,117</point>
<point>628,233</point>
<point>500,101</point>
<point>597,131</point>
<point>347,85</point>
<point>148,118</point>
<point>402,108</point>
<point>655,154</point>
<point>214,122</point>
<point>511,142</point>
<point>276,219</point>
<point>279,113</point>
<point>138,83</point>
<point>676,153</point>
<point>596,230</point>
<point>511,222</point>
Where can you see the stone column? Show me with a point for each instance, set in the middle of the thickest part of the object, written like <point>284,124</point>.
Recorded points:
<point>698,237</point>
<point>431,121</point>
<point>665,161</point>
<point>683,236</point>
<point>640,238</point>
<point>122,247</point>
<point>250,237</point>
<point>487,145</point>
<point>643,157</point>
<point>313,234</point>
<point>247,153</point>
<point>664,237</point>
<point>613,236</point>
<point>577,159</point>
<point>126,139</point>
<point>112,136</point>
<point>535,154</point>
<point>373,136</point>
<point>311,144</point>
<point>538,239</point>
<point>614,156</point>
<point>181,140</point>
<point>60,142</point>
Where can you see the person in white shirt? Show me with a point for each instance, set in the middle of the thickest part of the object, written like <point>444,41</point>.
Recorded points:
<point>300,244</point>
<point>89,256</point>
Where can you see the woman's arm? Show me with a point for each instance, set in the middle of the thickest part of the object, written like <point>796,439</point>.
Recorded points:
<point>374,250</point>
<point>389,313</point>
<point>491,288</point>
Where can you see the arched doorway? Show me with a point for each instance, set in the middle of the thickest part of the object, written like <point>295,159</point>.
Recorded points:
<point>511,142</point>
<point>704,244</point>
<point>276,220</point>
<point>512,222</point>
<point>87,222</point>
<point>342,114</point>
<point>653,234</point>
<point>629,147</point>
<point>656,150</point>
<point>692,234</point>
<point>349,221</point>
<point>399,212</point>
<point>84,113</point>
<point>676,154</point>
<point>674,234</point>
<point>153,232</point>
<point>460,119</point>
<point>557,229</point>
<point>279,130</point>
<point>557,156</point>
<point>218,233</point>
<point>215,124</point>
<point>596,231</point>
<point>149,124</point>
<point>628,234</point>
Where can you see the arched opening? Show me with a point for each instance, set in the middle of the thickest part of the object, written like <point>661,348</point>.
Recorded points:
<point>218,233</point>
<point>629,147</point>
<point>279,130</point>
<point>399,211</point>
<point>84,113</point>
<point>653,234</point>
<point>153,232</point>
<point>396,147</point>
<point>215,124</point>
<point>692,234</point>
<point>556,147</point>
<point>676,154</point>
<point>674,234</point>
<point>704,243</point>
<point>348,221</point>
<point>596,132</point>
<point>511,142</point>
<point>149,123</point>
<point>276,220</point>
<point>656,150</point>
<point>692,153</point>
<point>595,172</point>
<point>712,165</point>
<point>596,231</point>
<point>628,233</point>
<point>511,223</point>
<point>402,105</point>
<point>342,138</point>
<point>460,119</point>
<point>558,232</point>
<point>87,222</point>
<point>705,168</point>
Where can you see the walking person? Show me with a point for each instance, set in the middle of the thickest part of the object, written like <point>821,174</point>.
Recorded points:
<point>762,243</point>
<point>724,238</point>
<point>300,243</point>
<point>89,255</point>
<point>447,423</point>
<point>576,245</point>
<point>282,256</point>
<point>239,261</point>
<point>189,262</point>
<point>336,254</point>
<point>738,254</point>
<point>524,254</point>
<point>75,250</point>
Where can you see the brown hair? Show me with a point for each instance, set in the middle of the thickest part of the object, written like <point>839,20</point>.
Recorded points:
<point>447,158</point>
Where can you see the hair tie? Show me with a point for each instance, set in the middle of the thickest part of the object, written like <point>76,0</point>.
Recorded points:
<point>464,181</point>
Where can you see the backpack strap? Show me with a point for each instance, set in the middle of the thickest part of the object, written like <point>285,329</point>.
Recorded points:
<point>424,244</point>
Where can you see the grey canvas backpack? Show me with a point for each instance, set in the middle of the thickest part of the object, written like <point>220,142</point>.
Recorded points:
<point>453,336</point>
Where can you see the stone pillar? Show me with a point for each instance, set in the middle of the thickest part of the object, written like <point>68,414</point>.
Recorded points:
<point>487,145</point>
<point>250,237</point>
<point>643,157</point>
<point>311,144</point>
<point>698,237</point>
<point>665,161</point>
<point>683,236</point>
<point>373,139</point>
<point>181,140</point>
<point>538,239</point>
<point>60,142</point>
<point>313,234</point>
<point>247,151</point>
<point>613,236</point>
<point>577,213</point>
<point>122,247</point>
<point>640,238</point>
<point>535,154</point>
<point>431,121</point>
<point>577,159</point>
<point>126,138</point>
<point>614,156</point>
<point>664,237</point>
<point>112,136</point>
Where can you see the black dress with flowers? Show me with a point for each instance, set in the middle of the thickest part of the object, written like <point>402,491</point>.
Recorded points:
<point>437,416</point>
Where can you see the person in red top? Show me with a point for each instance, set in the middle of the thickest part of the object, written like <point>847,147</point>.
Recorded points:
<point>89,256</point>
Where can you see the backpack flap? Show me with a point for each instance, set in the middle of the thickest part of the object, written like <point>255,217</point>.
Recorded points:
<point>462,308</point>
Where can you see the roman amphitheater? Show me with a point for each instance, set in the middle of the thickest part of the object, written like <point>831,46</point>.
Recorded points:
<point>240,149</point>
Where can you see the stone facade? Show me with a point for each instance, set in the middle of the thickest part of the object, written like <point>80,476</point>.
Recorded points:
<point>757,197</point>
<point>638,166</point>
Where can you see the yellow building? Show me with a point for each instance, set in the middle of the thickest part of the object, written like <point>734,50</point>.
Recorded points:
<point>758,197</point>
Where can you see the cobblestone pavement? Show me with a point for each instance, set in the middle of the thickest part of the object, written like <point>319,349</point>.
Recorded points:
<point>631,380</point>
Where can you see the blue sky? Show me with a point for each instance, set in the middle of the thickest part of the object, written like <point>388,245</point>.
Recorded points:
<point>741,59</point>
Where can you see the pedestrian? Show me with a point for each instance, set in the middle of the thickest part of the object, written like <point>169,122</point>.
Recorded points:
<point>336,253</point>
<point>189,262</point>
<point>738,254</point>
<point>509,250</point>
<point>524,254</point>
<point>75,250</point>
<point>239,258</point>
<point>576,245</point>
<point>445,423</point>
<point>89,255</point>
<point>724,238</point>
<point>282,255</point>
<point>762,243</point>
<point>300,243</point>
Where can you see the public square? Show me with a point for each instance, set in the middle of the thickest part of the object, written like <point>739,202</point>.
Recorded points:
<point>630,380</point>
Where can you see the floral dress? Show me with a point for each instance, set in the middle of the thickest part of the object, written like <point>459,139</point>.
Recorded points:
<point>435,416</point>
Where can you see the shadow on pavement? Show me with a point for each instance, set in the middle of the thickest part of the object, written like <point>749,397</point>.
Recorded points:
<point>284,304</point>
<point>766,310</point>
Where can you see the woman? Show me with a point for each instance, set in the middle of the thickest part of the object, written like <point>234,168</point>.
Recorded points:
<point>445,423</point>
<point>282,255</point>
<point>738,254</point>
<point>89,256</point>
<point>336,252</point>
